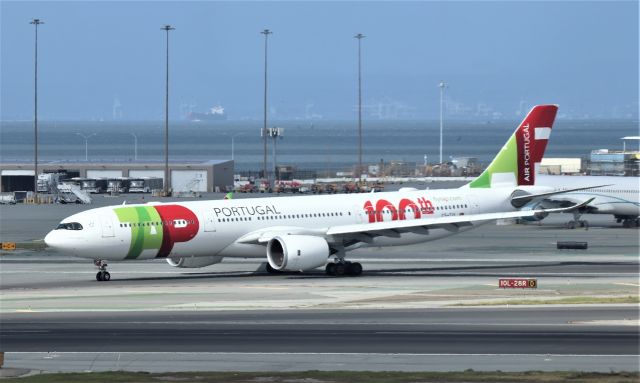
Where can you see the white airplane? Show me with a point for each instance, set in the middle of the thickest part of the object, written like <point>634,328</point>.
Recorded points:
<point>306,232</point>
<point>620,197</point>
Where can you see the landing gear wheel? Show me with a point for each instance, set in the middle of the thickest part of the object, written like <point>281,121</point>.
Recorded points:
<point>571,225</point>
<point>103,274</point>
<point>355,269</point>
<point>340,269</point>
<point>330,269</point>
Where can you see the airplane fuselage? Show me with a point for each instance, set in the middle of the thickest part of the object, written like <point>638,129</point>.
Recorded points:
<point>216,228</point>
<point>621,196</point>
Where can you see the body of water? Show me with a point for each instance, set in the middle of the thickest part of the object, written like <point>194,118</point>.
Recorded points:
<point>319,145</point>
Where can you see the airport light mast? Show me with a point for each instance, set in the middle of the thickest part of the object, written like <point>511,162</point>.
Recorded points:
<point>233,145</point>
<point>35,22</point>
<point>275,133</point>
<point>266,34</point>
<point>86,144</point>
<point>442,85</point>
<point>135,146</point>
<point>359,36</point>
<point>166,28</point>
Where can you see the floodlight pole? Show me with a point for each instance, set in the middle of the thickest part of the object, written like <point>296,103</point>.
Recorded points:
<point>266,34</point>
<point>135,146</point>
<point>166,28</point>
<point>442,85</point>
<point>359,36</point>
<point>35,22</point>
<point>86,144</point>
<point>233,138</point>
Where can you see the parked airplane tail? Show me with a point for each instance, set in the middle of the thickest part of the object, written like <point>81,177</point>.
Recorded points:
<point>519,158</point>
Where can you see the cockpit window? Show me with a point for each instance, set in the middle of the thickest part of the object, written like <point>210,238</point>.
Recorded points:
<point>69,226</point>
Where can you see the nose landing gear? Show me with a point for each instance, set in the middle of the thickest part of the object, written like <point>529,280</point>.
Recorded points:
<point>103,274</point>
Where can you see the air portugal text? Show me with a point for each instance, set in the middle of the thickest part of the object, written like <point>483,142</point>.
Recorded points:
<point>240,211</point>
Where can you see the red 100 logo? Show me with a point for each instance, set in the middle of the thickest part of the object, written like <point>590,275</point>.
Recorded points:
<point>405,206</point>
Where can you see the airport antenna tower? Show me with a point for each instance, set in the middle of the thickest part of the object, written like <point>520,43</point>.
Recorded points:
<point>35,22</point>
<point>442,86</point>
<point>264,134</point>
<point>166,28</point>
<point>359,36</point>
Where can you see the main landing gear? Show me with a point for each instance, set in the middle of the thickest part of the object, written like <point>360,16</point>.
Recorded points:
<point>628,222</point>
<point>342,267</point>
<point>577,222</point>
<point>103,274</point>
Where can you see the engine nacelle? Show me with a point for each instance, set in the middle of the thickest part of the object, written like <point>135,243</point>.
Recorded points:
<point>193,262</point>
<point>297,252</point>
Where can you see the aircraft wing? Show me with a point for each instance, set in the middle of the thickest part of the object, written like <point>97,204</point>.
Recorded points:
<point>453,223</point>
<point>363,232</point>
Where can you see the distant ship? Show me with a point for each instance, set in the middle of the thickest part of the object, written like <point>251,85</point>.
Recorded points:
<point>216,113</point>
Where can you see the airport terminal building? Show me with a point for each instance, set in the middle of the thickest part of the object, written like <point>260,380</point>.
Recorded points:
<point>208,176</point>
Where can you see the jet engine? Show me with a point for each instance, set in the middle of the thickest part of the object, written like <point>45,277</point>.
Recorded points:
<point>297,252</point>
<point>193,262</point>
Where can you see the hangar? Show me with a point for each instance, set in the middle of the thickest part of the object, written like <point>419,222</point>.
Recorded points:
<point>207,176</point>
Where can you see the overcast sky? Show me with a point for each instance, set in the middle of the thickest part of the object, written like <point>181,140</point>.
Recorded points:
<point>496,56</point>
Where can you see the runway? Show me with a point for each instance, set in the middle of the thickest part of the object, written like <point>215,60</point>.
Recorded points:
<point>591,338</point>
<point>578,331</point>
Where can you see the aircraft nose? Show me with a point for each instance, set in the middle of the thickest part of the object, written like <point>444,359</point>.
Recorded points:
<point>52,240</point>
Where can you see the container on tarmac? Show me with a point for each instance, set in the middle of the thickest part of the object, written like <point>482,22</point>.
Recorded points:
<point>118,185</point>
<point>92,185</point>
<point>145,184</point>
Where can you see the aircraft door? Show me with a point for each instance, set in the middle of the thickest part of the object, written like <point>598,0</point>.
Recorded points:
<point>209,221</point>
<point>107,226</point>
<point>361,215</point>
<point>474,204</point>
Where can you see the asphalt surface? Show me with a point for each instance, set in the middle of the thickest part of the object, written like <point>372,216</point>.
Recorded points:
<point>576,331</point>
<point>402,314</point>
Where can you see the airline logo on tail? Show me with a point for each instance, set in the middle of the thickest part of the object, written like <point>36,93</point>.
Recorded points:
<point>517,162</point>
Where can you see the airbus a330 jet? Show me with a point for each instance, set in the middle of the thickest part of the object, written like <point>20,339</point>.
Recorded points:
<point>306,232</point>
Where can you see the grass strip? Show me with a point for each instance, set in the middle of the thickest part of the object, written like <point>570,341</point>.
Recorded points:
<point>560,301</point>
<point>331,377</point>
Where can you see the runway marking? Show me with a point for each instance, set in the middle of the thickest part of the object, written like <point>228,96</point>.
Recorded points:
<point>626,284</point>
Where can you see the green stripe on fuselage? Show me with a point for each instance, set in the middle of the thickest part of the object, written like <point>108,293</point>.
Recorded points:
<point>146,231</point>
